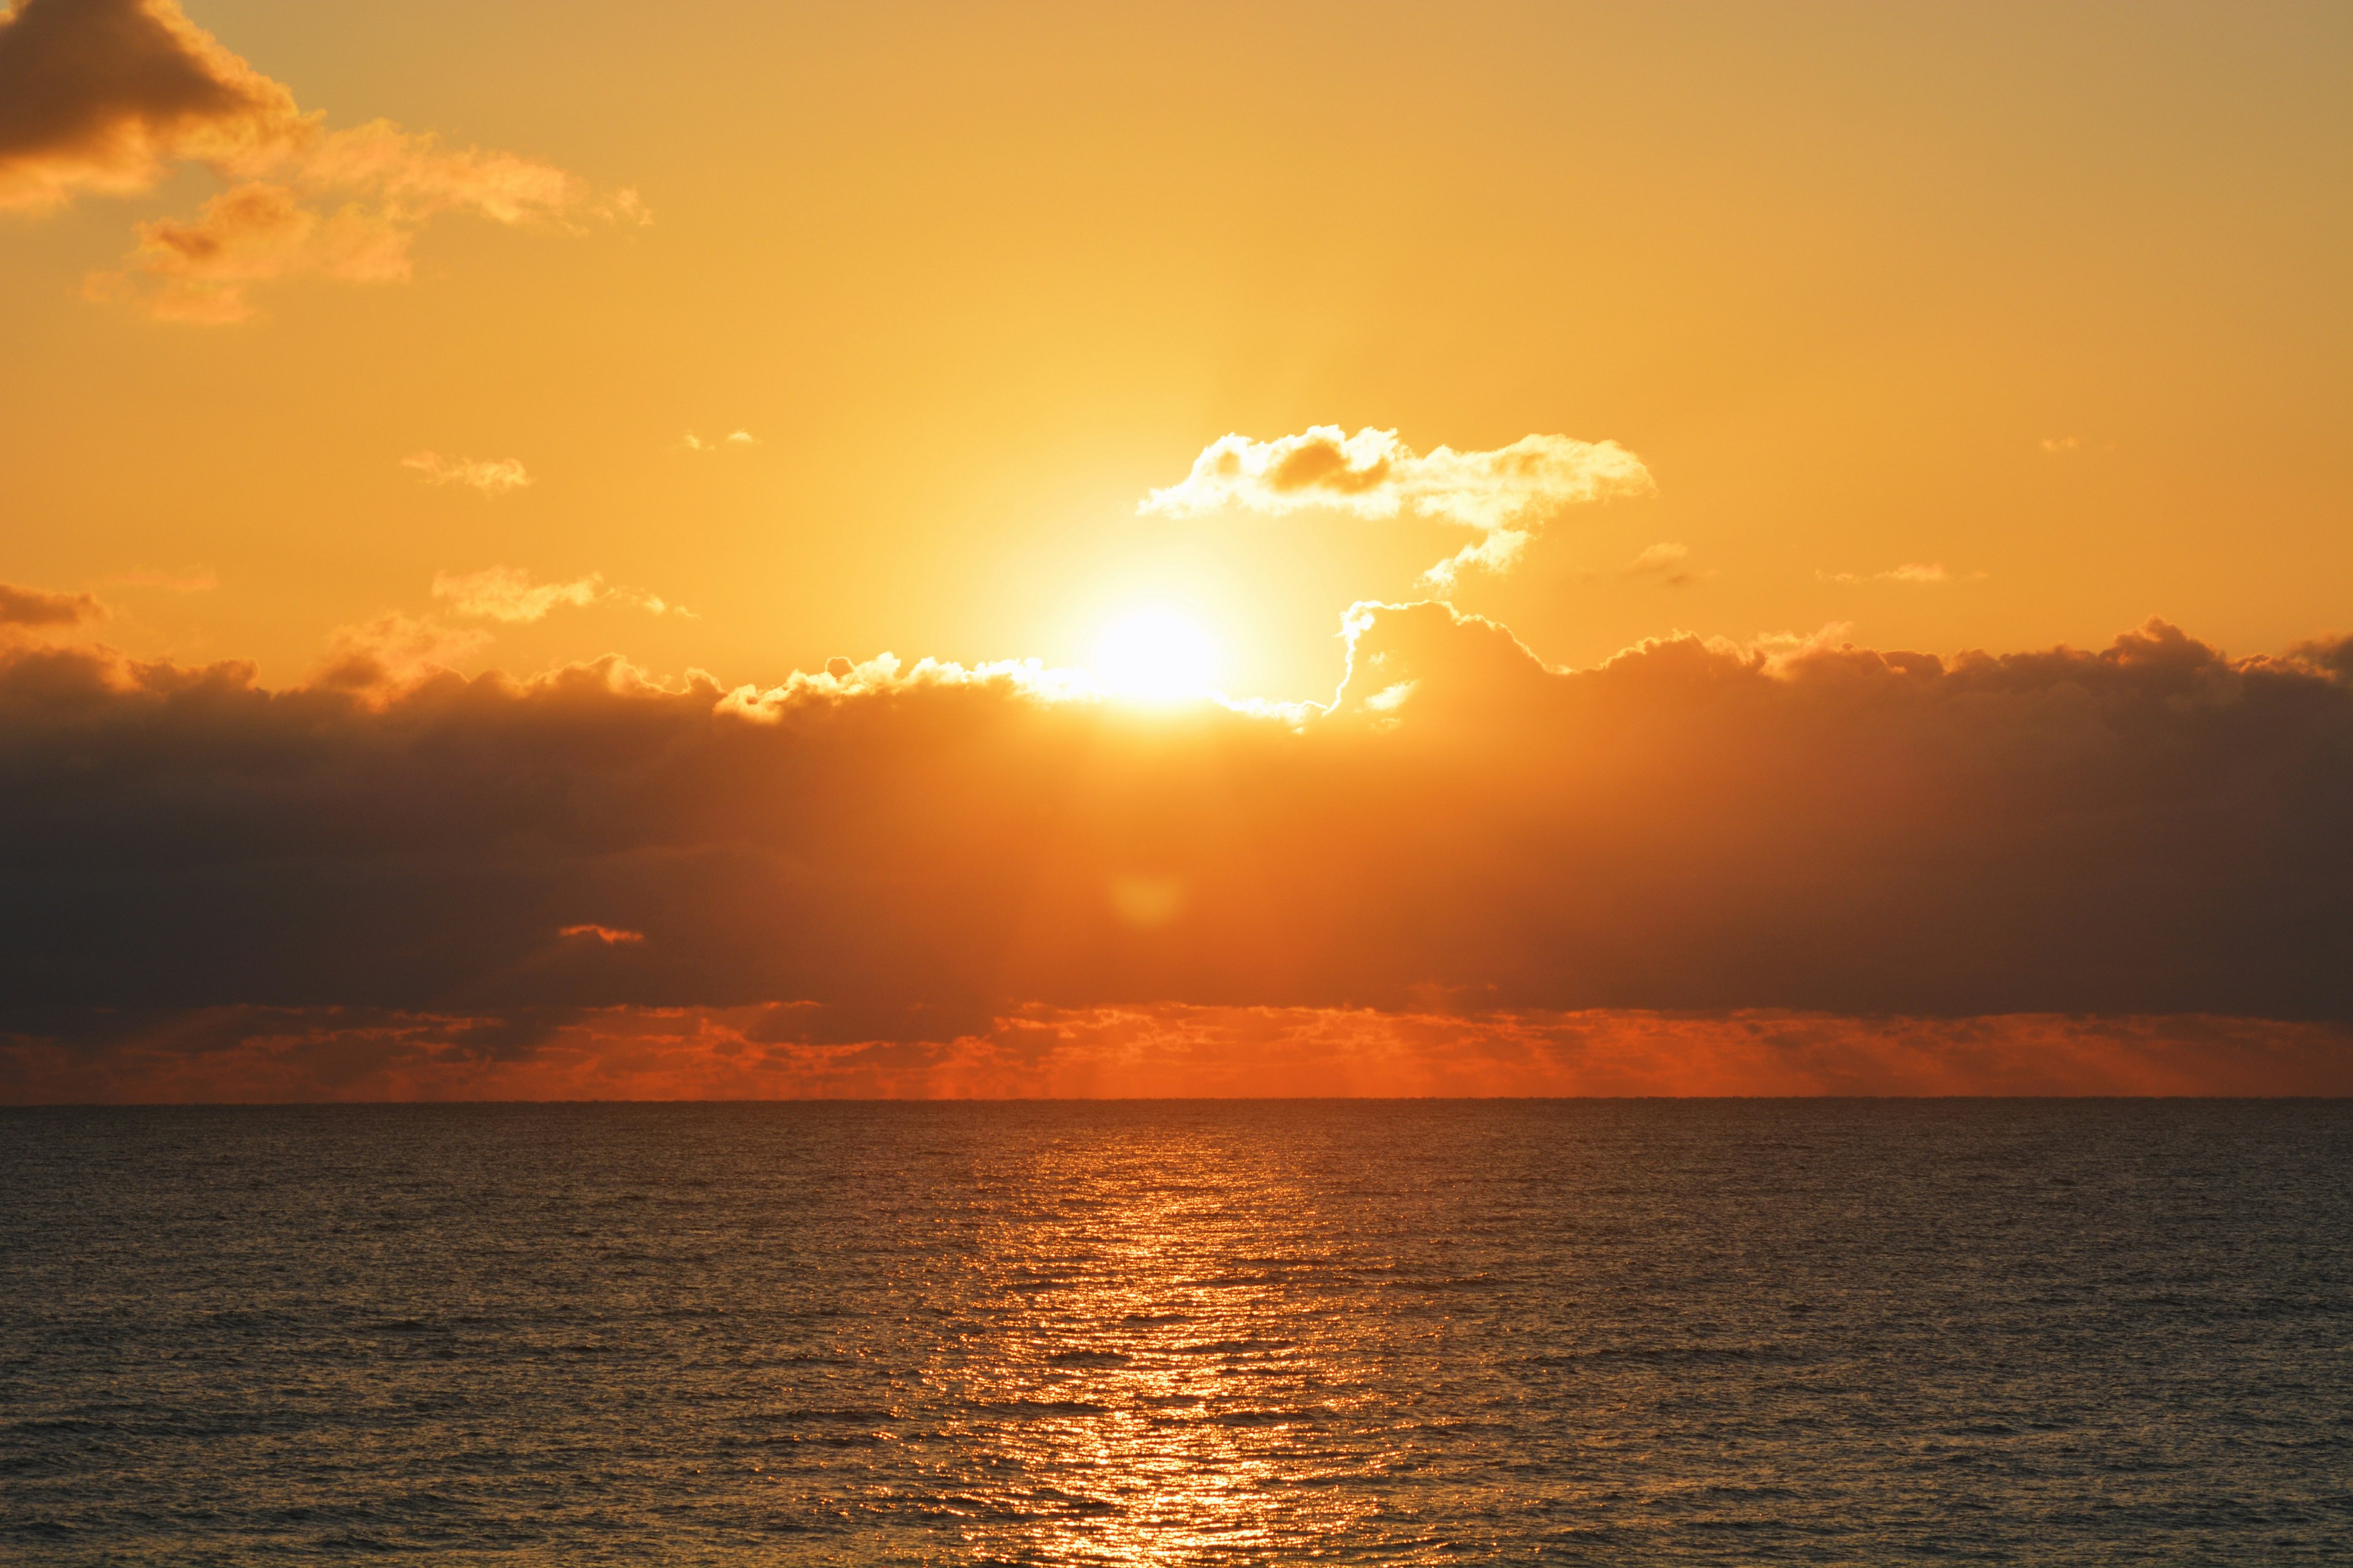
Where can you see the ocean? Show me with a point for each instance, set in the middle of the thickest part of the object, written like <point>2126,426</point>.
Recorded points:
<point>1181,1333</point>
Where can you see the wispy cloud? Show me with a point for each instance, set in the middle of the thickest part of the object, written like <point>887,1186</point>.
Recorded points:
<point>1915,572</point>
<point>2055,444</point>
<point>735,441</point>
<point>108,96</point>
<point>611,936</point>
<point>506,593</point>
<point>1506,496</point>
<point>510,594</point>
<point>1667,560</point>
<point>491,477</point>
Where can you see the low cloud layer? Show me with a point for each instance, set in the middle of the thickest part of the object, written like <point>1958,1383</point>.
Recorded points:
<point>1506,496</point>
<point>107,97</point>
<point>914,854</point>
<point>793,1051</point>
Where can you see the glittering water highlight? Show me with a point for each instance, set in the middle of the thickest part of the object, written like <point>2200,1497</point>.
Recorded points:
<point>1184,1332</point>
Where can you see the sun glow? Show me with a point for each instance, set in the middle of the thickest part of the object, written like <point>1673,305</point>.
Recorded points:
<point>1156,655</point>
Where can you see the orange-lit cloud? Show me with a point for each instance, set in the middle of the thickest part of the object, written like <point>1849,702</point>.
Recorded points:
<point>394,650</point>
<point>1919,574</point>
<point>255,232</point>
<point>791,1051</point>
<point>37,607</point>
<point>505,594</point>
<point>1506,495</point>
<point>2332,654</point>
<point>107,96</point>
<point>510,594</point>
<point>490,477</point>
<point>610,935</point>
<point>735,441</point>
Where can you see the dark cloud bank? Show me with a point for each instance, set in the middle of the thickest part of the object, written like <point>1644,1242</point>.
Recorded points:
<point>2148,829</point>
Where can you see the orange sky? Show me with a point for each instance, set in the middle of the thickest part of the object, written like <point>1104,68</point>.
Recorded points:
<point>1622,389</point>
<point>2050,297</point>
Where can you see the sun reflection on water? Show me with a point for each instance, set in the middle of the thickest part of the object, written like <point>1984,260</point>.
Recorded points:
<point>1154,1392</point>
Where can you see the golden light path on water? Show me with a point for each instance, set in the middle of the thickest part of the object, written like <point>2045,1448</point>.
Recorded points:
<point>1169,1364</point>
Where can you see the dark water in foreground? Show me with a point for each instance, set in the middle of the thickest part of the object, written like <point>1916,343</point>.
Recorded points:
<point>1515,1332</point>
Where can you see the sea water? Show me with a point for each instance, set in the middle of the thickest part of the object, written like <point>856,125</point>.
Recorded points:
<point>1498,1331</point>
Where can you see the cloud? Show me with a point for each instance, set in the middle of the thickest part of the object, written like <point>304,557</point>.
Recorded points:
<point>198,271</point>
<point>2332,654</point>
<point>107,96</point>
<point>38,608</point>
<point>610,936</point>
<point>505,594</point>
<point>509,594</point>
<point>1667,560</point>
<point>394,651</point>
<point>491,477</point>
<point>1916,573</point>
<point>1506,496</point>
<point>735,442</point>
<point>778,1052</point>
<point>2055,444</point>
<point>1798,828</point>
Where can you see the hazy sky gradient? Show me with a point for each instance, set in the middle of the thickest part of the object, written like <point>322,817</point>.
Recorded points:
<point>2052,294</point>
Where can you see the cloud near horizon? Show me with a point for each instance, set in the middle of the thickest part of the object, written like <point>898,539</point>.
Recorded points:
<point>105,97</point>
<point>794,1051</point>
<point>1506,495</point>
<point>1801,828</point>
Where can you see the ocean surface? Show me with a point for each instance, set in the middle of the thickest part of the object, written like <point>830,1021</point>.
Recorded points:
<point>1518,1331</point>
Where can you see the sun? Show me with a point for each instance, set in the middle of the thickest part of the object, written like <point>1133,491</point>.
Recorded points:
<point>1156,655</point>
